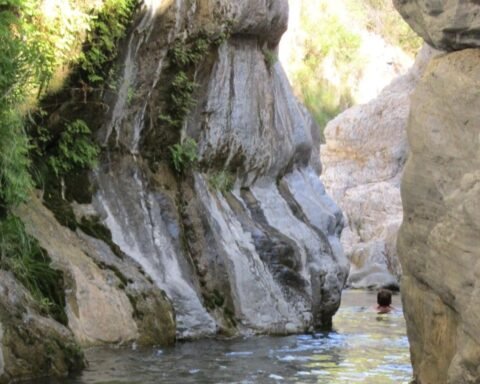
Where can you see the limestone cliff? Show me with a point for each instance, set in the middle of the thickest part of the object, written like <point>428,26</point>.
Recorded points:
<point>205,214</point>
<point>261,254</point>
<point>363,158</point>
<point>439,242</point>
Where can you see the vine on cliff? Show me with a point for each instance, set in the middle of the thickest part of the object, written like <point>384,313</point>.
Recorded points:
<point>184,57</point>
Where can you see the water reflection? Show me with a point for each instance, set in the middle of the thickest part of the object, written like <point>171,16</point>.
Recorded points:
<point>364,348</point>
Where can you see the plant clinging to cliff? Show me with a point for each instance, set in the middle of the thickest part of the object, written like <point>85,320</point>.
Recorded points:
<point>101,46</point>
<point>184,155</point>
<point>222,181</point>
<point>75,149</point>
<point>270,57</point>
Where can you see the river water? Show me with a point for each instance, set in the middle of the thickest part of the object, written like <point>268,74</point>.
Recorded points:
<point>363,348</point>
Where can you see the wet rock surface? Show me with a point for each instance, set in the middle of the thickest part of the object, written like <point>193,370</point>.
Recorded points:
<point>446,25</point>
<point>439,243</point>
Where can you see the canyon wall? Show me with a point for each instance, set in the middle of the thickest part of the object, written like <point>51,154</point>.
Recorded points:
<point>205,214</point>
<point>363,160</point>
<point>439,242</point>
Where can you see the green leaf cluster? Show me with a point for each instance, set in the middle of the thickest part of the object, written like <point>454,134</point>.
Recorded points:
<point>75,149</point>
<point>222,181</point>
<point>109,26</point>
<point>184,154</point>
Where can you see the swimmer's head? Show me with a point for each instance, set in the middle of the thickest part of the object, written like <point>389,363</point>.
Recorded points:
<point>384,298</point>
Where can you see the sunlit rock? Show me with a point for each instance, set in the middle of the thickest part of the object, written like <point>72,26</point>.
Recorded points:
<point>262,255</point>
<point>439,242</point>
<point>364,155</point>
<point>446,25</point>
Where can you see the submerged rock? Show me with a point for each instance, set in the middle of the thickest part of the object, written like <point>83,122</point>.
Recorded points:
<point>364,155</point>
<point>439,242</point>
<point>445,25</point>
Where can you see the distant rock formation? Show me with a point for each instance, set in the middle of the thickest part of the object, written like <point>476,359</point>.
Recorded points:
<point>363,158</point>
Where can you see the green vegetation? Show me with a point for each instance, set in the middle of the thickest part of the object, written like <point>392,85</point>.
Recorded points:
<point>271,57</point>
<point>222,181</point>
<point>184,57</point>
<point>184,155</point>
<point>75,149</point>
<point>328,48</point>
<point>329,43</point>
<point>381,17</point>
<point>108,27</point>
<point>42,44</point>
<point>22,255</point>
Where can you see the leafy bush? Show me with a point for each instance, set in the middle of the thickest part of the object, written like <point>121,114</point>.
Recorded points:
<point>76,149</point>
<point>108,27</point>
<point>184,155</point>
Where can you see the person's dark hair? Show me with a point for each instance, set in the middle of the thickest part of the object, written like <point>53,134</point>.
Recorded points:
<point>384,297</point>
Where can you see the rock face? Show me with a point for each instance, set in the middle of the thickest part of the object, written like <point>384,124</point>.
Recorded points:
<point>445,25</point>
<point>233,234</point>
<point>261,256</point>
<point>364,155</point>
<point>439,242</point>
<point>104,292</point>
<point>31,345</point>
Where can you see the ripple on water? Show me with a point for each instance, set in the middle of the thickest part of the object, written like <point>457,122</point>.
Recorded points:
<point>363,348</point>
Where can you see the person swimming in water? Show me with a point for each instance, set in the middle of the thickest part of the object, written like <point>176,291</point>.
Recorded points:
<point>384,301</point>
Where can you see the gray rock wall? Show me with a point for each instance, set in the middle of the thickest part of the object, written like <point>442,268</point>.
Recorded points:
<point>439,242</point>
<point>263,256</point>
<point>152,253</point>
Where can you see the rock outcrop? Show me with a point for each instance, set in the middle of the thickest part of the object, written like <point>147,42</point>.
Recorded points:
<point>261,255</point>
<point>31,345</point>
<point>445,25</point>
<point>439,242</point>
<point>206,214</point>
<point>109,300</point>
<point>364,155</point>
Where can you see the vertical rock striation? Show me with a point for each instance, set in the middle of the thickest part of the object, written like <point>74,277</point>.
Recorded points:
<point>439,242</point>
<point>261,256</point>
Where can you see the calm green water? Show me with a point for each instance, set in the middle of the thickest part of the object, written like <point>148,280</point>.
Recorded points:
<point>363,348</point>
